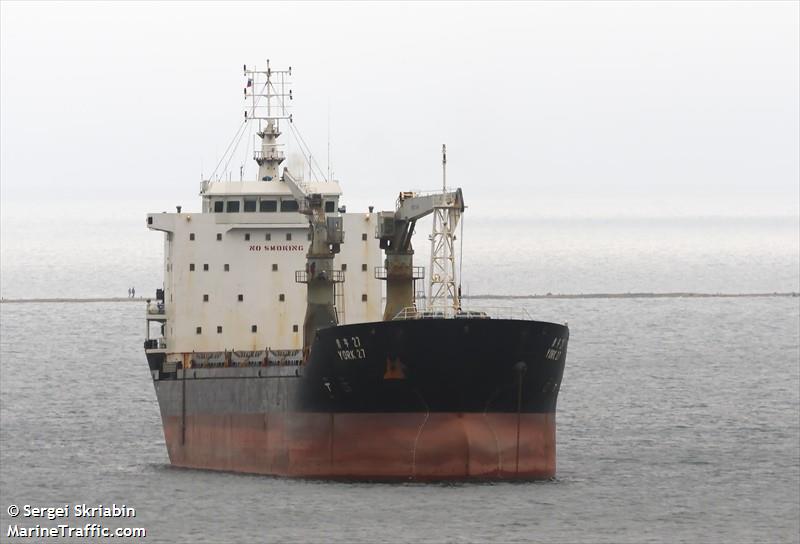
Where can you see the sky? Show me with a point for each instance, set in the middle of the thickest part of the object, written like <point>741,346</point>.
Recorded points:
<point>597,109</point>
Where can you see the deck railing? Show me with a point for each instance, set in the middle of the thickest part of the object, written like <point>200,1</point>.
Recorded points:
<point>448,312</point>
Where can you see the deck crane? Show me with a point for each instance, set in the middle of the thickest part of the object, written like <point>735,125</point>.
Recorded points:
<point>394,231</point>
<point>319,276</point>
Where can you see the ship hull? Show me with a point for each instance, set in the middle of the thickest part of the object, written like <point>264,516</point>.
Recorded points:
<point>409,400</point>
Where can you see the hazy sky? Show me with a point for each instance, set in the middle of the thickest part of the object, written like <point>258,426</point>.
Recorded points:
<point>616,108</point>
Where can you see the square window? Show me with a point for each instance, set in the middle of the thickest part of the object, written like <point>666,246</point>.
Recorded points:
<point>219,206</point>
<point>344,267</point>
<point>205,298</point>
<point>295,328</point>
<point>289,206</point>
<point>288,235</point>
<point>364,297</point>
<point>363,267</point>
<point>241,298</point>
<point>233,206</point>
<point>268,237</point>
<point>191,267</point>
<point>205,268</point>
<point>228,268</point>
<point>281,297</point>
<point>191,236</point>
<point>219,237</point>
<point>254,328</point>
<point>269,206</point>
<point>219,329</point>
<point>330,206</point>
<point>364,236</point>
<point>199,330</point>
<point>274,267</point>
<point>247,236</point>
<point>249,205</point>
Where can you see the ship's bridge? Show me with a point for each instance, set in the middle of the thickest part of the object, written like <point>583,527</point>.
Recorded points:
<point>262,196</point>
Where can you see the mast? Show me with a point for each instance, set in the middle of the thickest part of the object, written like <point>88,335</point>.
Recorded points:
<point>442,291</point>
<point>267,94</point>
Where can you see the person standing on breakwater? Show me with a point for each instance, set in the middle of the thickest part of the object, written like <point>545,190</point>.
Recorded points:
<point>133,292</point>
<point>129,292</point>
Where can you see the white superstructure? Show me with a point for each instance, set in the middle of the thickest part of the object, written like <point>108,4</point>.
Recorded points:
<point>230,271</point>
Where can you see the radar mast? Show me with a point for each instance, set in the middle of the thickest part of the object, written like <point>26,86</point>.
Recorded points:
<point>265,94</point>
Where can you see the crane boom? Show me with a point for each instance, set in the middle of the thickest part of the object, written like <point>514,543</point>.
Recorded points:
<point>319,275</point>
<point>395,230</point>
<point>299,190</point>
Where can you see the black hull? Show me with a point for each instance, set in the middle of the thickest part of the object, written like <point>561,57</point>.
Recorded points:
<point>436,365</point>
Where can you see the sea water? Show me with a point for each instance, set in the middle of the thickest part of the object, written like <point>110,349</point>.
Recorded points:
<point>678,418</point>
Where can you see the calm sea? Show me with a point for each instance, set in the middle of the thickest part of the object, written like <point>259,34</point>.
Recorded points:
<point>679,418</point>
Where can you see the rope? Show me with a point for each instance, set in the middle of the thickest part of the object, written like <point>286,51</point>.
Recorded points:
<point>236,138</point>
<point>307,153</point>
<point>233,151</point>
<point>227,148</point>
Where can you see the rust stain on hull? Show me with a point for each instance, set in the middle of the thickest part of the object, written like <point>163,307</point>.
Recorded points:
<point>368,446</point>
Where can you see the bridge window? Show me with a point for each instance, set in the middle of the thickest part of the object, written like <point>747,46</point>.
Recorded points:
<point>330,206</point>
<point>269,206</point>
<point>233,206</point>
<point>289,206</point>
<point>219,206</point>
<point>249,204</point>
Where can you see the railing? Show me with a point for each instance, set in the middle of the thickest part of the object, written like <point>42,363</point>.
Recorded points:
<point>448,312</point>
<point>417,273</point>
<point>335,276</point>
<point>155,343</point>
<point>155,308</point>
<point>274,155</point>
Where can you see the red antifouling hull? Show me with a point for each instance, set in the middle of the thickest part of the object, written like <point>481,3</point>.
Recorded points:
<point>370,446</point>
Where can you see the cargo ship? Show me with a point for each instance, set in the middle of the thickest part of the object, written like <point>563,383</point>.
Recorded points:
<point>294,338</point>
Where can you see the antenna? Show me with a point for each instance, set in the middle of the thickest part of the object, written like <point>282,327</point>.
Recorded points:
<point>444,168</point>
<point>329,138</point>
